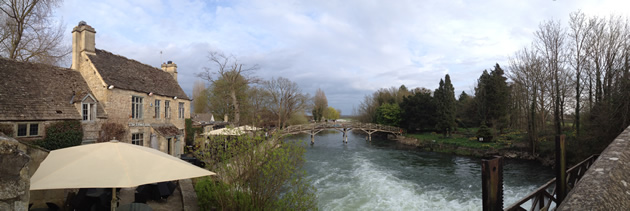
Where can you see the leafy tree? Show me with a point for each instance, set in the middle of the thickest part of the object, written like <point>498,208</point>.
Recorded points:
<point>332,113</point>
<point>251,176</point>
<point>388,114</point>
<point>445,100</point>
<point>419,111</point>
<point>320,104</point>
<point>466,111</point>
<point>27,32</point>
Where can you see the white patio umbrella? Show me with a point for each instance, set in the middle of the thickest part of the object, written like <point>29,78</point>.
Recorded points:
<point>225,132</point>
<point>110,165</point>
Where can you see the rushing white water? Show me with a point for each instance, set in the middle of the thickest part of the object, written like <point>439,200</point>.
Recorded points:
<point>382,175</point>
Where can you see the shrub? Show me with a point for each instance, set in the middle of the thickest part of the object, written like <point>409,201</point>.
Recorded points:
<point>111,131</point>
<point>190,132</point>
<point>7,129</point>
<point>62,134</point>
<point>216,194</point>
<point>485,133</point>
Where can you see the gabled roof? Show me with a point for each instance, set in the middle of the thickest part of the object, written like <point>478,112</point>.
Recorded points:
<point>30,91</point>
<point>132,75</point>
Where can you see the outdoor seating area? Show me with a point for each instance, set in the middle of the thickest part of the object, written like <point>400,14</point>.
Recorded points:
<point>131,177</point>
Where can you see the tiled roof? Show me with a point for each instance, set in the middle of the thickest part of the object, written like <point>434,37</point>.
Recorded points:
<point>130,74</point>
<point>166,130</point>
<point>203,117</point>
<point>30,91</point>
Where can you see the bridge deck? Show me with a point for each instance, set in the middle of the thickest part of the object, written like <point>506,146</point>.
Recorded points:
<point>314,128</point>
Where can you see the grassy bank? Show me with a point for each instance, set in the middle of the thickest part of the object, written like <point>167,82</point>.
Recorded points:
<point>464,142</point>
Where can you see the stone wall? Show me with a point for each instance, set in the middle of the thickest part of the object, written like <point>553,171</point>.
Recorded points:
<point>606,184</point>
<point>14,175</point>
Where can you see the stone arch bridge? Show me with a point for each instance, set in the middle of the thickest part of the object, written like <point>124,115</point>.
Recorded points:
<point>344,127</point>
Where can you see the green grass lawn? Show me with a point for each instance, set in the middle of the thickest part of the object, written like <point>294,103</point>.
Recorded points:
<point>466,138</point>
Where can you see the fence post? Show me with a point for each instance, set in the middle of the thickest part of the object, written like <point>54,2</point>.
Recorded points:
<point>492,183</point>
<point>561,169</point>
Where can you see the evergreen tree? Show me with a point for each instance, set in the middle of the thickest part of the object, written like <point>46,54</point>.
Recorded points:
<point>492,94</point>
<point>445,98</point>
<point>418,111</point>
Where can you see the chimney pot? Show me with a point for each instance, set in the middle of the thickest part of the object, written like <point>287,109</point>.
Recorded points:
<point>169,62</point>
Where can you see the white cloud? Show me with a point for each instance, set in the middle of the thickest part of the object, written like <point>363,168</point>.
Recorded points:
<point>347,48</point>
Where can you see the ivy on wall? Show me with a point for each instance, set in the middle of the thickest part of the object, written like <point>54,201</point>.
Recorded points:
<point>62,134</point>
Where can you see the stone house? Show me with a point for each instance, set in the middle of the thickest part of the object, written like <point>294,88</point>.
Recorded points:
<point>146,100</point>
<point>33,96</point>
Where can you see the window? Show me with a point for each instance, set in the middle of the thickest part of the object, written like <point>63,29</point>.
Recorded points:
<point>137,139</point>
<point>89,111</point>
<point>33,129</point>
<point>136,107</point>
<point>166,107</point>
<point>157,109</point>
<point>27,129</point>
<point>88,108</point>
<point>181,110</point>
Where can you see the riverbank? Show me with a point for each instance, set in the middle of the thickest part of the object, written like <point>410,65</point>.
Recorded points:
<point>441,146</point>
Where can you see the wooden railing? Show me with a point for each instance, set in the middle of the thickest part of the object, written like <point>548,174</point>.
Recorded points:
<point>543,199</point>
<point>293,129</point>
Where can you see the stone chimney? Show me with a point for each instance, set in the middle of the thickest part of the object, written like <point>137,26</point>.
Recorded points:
<point>82,42</point>
<point>170,68</point>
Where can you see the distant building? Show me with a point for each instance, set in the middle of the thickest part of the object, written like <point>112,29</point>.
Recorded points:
<point>148,101</point>
<point>33,96</point>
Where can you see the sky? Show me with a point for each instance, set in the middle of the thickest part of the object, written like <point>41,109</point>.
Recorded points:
<point>347,48</point>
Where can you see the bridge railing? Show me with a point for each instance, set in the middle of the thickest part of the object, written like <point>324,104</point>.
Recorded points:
<point>331,125</point>
<point>543,199</point>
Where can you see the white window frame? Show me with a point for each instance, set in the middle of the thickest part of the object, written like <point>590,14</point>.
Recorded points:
<point>181,110</point>
<point>137,139</point>
<point>88,109</point>
<point>167,114</point>
<point>136,107</point>
<point>157,109</point>
<point>28,129</point>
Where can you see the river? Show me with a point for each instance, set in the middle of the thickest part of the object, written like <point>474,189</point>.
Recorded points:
<point>384,175</point>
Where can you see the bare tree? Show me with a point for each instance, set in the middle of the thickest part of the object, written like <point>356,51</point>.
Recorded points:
<point>200,97</point>
<point>526,70</point>
<point>29,34</point>
<point>320,104</point>
<point>551,44</point>
<point>578,32</point>
<point>285,98</point>
<point>235,77</point>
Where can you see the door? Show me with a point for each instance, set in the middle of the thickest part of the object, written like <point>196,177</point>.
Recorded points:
<point>154,142</point>
<point>169,143</point>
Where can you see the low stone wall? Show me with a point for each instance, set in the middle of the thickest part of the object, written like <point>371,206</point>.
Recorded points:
<point>606,184</point>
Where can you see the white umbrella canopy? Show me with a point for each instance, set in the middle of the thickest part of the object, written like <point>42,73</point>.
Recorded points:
<point>225,132</point>
<point>110,165</point>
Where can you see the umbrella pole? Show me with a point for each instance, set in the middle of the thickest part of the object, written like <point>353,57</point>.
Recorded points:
<point>113,205</point>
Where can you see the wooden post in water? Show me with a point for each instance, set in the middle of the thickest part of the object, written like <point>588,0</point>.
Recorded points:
<point>561,169</point>
<point>312,138</point>
<point>492,184</point>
